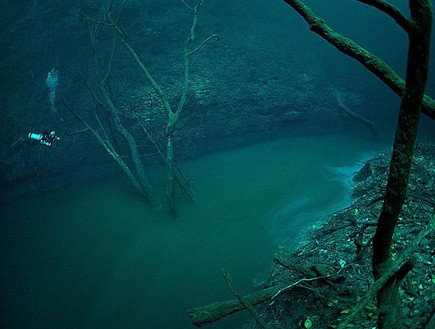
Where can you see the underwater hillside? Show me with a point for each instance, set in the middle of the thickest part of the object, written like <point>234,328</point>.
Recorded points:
<point>229,164</point>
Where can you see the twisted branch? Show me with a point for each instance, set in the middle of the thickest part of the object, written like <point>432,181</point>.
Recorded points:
<point>391,11</point>
<point>350,48</point>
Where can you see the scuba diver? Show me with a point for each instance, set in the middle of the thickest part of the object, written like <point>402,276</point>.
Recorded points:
<point>45,138</point>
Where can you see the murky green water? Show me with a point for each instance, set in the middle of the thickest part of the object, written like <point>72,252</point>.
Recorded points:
<point>94,256</point>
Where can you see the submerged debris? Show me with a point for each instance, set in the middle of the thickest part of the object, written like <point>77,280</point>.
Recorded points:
<point>324,278</point>
<point>329,277</point>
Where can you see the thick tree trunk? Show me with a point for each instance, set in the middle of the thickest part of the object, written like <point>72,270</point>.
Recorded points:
<point>406,132</point>
<point>170,191</point>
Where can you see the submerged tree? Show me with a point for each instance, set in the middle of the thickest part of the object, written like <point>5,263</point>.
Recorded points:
<point>413,100</point>
<point>388,273</point>
<point>110,18</point>
<point>406,133</point>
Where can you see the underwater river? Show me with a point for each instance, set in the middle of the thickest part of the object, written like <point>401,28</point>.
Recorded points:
<point>94,256</point>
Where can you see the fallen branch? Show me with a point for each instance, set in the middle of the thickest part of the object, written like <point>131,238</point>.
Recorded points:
<point>431,322</point>
<point>288,287</point>
<point>202,316</point>
<point>350,48</point>
<point>260,322</point>
<point>391,11</point>
<point>78,132</point>
<point>395,269</point>
<point>205,315</point>
<point>281,262</point>
<point>357,116</point>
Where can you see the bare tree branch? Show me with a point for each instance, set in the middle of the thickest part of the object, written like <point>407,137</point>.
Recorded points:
<point>202,44</point>
<point>347,46</point>
<point>399,263</point>
<point>260,322</point>
<point>391,11</point>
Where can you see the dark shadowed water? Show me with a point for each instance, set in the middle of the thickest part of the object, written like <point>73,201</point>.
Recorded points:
<point>94,256</point>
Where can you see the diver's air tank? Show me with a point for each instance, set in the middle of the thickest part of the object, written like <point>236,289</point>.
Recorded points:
<point>36,137</point>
